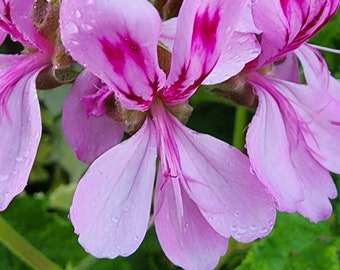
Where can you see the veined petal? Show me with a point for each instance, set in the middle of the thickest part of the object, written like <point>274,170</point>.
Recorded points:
<point>219,180</point>
<point>188,240</point>
<point>111,205</point>
<point>287,24</point>
<point>283,157</point>
<point>269,152</point>
<point>101,132</point>
<point>202,30</point>
<point>270,20</point>
<point>240,49</point>
<point>318,185</point>
<point>314,66</point>
<point>168,33</point>
<point>21,16</point>
<point>21,130</point>
<point>287,68</point>
<point>3,35</point>
<point>320,121</point>
<point>215,176</point>
<point>121,45</point>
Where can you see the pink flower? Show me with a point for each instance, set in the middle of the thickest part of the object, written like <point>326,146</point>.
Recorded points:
<point>20,123</point>
<point>204,190</point>
<point>293,139</point>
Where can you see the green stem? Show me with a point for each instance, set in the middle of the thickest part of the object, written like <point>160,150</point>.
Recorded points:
<point>86,263</point>
<point>23,249</point>
<point>239,125</point>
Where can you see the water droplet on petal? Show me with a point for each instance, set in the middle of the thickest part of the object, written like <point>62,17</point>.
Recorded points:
<point>264,230</point>
<point>236,214</point>
<point>253,228</point>
<point>115,219</point>
<point>77,14</point>
<point>71,27</point>
<point>19,159</point>
<point>242,230</point>
<point>233,228</point>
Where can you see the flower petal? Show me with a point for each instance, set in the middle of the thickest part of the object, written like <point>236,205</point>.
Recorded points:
<point>219,180</point>
<point>287,24</point>
<point>21,15</point>
<point>282,157</point>
<point>314,67</point>
<point>20,127</point>
<point>188,241</point>
<point>269,153</point>
<point>287,68</point>
<point>168,33</point>
<point>319,112</point>
<point>121,45</point>
<point>101,134</point>
<point>240,49</point>
<point>111,205</point>
<point>202,30</point>
<point>318,186</point>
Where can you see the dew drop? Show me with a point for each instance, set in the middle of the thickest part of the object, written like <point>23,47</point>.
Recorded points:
<point>271,222</point>
<point>136,238</point>
<point>251,170</point>
<point>233,228</point>
<point>186,225</point>
<point>236,214</point>
<point>253,228</point>
<point>3,177</point>
<point>15,172</point>
<point>264,230</point>
<point>19,159</point>
<point>115,219</point>
<point>242,230</point>
<point>71,27</point>
<point>77,14</point>
<point>87,27</point>
<point>6,194</point>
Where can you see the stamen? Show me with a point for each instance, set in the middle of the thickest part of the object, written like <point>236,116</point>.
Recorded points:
<point>326,49</point>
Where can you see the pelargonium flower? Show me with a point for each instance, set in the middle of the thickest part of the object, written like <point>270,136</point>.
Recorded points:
<point>20,123</point>
<point>292,140</point>
<point>204,191</point>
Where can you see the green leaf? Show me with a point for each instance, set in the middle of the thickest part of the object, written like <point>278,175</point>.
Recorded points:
<point>45,230</point>
<point>295,243</point>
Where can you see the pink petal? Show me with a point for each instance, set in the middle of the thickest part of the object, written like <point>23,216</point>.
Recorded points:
<point>168,33</point>
<point>287,24</point>
<point>287,68</point>
<point>20,127</point>
<point>3,35</point>
<point>202,30</point>
<point>219,180</point>
<point>111,206</point>
<point>240,49</point>
<point>102,133</point>
<point>21,15</point>
<point>246,24</point>
<point>282,158</point>
<point>314,66</point>
<point>123,45</point>
<point>271,21</point>
<point>319,112</point>
<point>270,153</point>
<point>188,241</point>
<point>318,186</point>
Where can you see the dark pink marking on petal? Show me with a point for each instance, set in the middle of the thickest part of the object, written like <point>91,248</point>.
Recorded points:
<point>205,28</point>
<point>118,54</point>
